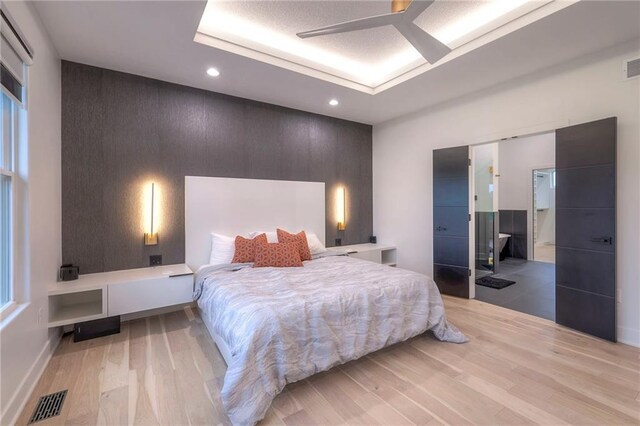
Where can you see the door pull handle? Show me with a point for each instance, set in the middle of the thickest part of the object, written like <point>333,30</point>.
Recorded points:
<point>602,240</point>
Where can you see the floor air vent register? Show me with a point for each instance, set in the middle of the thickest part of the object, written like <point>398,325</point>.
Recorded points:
<point>48,406</point>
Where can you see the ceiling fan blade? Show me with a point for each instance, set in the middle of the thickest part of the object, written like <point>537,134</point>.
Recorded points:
<point>415,9</point>
<point>355,25</point>
<point>429,47</point>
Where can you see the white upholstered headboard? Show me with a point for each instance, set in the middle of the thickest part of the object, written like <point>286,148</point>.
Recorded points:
<point>232,206</point>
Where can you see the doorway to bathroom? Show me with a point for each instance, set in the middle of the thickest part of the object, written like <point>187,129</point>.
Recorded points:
<point>502,248</point>
<point>514,205</point>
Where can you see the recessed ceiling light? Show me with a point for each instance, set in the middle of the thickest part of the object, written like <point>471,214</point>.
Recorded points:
<point>213,72</point>
<point>333,102</point>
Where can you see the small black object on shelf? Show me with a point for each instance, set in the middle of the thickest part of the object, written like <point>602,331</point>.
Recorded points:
<point>69,272</point>
<point>338,242</point>
<point>373,239</point>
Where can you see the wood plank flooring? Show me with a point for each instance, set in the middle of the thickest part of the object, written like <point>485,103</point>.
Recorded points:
<point>517,369</point>
<point>545,253</point>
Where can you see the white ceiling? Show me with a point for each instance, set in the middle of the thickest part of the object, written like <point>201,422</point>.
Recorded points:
<point>156,39</point>
<point>369,58</point>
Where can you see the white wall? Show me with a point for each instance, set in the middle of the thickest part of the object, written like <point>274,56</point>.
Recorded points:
<point>583,90</point>
<point>25,341</point>
<point>518,158</point>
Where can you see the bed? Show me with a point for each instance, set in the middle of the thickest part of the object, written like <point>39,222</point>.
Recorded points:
<point>275,326</point>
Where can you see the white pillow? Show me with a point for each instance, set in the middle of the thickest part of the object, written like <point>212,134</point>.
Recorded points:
<point>272,237</point>
<point>315,245</point>
<point>222,249</point>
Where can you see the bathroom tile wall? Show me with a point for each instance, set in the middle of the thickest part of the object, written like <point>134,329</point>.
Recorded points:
<point>514,223</point>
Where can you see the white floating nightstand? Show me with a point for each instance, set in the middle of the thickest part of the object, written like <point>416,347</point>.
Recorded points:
<point>108,294</point>
<point>378,253</point>
<point>76,303</point>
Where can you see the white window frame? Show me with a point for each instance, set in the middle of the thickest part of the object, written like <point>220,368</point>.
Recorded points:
<point>8,307</point>
<point>19,294</point>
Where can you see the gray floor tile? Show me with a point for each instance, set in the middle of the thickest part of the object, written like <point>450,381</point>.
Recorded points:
<point>534,290</point>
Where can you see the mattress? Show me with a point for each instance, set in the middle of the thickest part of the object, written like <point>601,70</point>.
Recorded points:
<point>281,325</point>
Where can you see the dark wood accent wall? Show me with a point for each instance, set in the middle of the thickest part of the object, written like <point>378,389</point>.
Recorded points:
<point>121,132</point>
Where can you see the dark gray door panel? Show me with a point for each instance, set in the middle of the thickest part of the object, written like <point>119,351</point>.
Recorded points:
<point>587,312</point>
<point>589,187</point>
<point>586,144</point>
<point>589,229</point>
<point>452,280</point>
<point>451,162</point>
<point>451,221</point>
<point>586,227</point>
<point>451,192</point>
<point>585,270</point>
<point>451,251</point>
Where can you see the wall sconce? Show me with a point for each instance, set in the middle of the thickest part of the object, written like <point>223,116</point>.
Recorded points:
<point>151,234</point>
<point>340,208</point>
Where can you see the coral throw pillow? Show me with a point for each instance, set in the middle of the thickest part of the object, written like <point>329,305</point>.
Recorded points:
<point>300,239</point>
<point>279,255</point>
<point>246,248</point>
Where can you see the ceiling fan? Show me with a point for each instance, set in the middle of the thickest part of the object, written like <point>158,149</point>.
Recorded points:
<point>403,13</point>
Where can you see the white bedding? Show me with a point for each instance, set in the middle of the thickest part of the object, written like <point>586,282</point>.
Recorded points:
<point>282,325</point>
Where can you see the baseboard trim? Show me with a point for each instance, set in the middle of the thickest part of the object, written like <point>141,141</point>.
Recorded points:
<point>629,336</point>
<point>21,396</point>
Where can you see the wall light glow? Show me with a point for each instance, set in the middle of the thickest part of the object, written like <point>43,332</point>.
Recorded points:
<point>341,215</point>
<point>151,203</point>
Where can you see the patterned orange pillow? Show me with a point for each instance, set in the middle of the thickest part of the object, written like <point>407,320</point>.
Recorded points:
<point>246,248</point>
<point>300,239</point>
<point>279,255</point>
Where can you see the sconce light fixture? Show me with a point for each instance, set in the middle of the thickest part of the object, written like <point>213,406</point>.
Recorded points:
<point>151,234</point>
<point>340,208</point>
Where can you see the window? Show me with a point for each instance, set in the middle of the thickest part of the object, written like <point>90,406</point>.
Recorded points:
<point>8,132</point>
<point>15,56</point>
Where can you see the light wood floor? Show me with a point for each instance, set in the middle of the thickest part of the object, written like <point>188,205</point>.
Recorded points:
<point>517,369</point>
<point>545,253</point>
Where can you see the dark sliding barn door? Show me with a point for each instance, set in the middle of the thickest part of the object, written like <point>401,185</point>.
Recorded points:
<point>451,220</point>
<point>586,228</point>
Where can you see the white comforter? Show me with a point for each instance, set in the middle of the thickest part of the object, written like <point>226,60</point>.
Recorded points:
<point>285,324</point>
